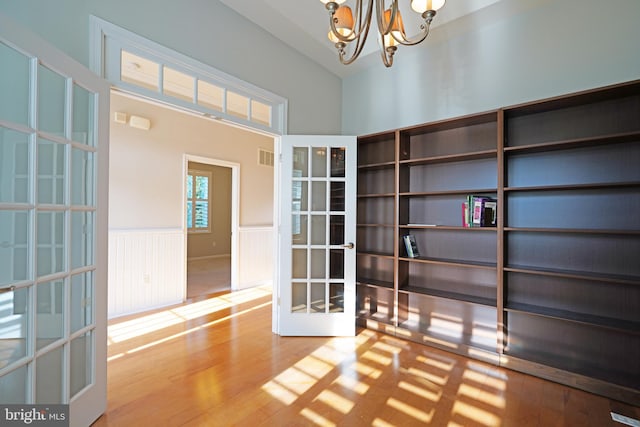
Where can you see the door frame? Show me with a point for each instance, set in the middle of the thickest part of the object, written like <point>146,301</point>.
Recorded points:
<point>235,211</point>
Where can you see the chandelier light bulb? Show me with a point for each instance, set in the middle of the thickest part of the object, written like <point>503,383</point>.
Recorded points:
<point>422,6</point>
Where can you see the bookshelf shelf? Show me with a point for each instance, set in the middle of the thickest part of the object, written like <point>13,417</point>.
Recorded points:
<point>575,143</point>
<point>449,295</point>
<point>485,154</point>
<point>630,327</point>
<point>449,192</point>
<point>561,261</point>
<point>375,283</point>
<point>572,230</point>
<point>452,262</point>
<point>571,187</point>
<point>575,274</point>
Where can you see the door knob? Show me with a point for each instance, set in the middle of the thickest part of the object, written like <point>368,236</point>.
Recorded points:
<point>348,245</point>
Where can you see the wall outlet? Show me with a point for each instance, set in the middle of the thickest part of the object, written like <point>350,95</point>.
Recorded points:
<point>146,278</point>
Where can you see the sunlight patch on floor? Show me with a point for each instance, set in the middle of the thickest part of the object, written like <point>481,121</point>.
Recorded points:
<point>122,331</point>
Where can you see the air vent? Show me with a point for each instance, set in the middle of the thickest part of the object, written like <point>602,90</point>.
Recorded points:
<point>265,157</point>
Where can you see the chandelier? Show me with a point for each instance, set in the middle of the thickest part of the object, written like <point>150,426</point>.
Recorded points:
<point>348,29</point>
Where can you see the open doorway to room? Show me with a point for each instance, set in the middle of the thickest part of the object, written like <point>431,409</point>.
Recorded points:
<point>208,223</point>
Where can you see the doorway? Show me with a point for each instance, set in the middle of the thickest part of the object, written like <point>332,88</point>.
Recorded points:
<point>209,228</point>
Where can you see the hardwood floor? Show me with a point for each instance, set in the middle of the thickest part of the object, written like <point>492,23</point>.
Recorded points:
<point>215,362</point>
<point>208,276</point>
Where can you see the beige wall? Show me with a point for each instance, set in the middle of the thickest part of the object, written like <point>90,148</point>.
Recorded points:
<point>146,173</point>
<point>218,240</point>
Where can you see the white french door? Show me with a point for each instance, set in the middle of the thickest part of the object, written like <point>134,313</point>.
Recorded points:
<point>53,222</point>
<point>316,284</point>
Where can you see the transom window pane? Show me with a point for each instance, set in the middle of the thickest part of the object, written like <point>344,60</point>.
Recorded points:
<point>237,105</point>
<point>260,113</point>
<point>177,84</point>
<point>210,96</point>
<point>139,71</point>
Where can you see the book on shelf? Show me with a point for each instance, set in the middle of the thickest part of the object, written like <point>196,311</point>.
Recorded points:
<point>479,211</point>
<point>411,246</point>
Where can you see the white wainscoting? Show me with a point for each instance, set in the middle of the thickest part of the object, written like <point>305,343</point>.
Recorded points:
<point>255,256</point>
<point>146,269</point>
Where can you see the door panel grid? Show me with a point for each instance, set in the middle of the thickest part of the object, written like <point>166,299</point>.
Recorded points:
<point>48,187</point>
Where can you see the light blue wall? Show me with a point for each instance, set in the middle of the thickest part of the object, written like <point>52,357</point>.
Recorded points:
<point>512,52</point>
<point>205,30</point>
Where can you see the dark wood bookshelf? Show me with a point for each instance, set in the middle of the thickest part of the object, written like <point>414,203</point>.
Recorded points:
<point>557,278</point>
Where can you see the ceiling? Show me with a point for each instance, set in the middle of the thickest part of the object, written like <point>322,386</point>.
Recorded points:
<point>303,25</point>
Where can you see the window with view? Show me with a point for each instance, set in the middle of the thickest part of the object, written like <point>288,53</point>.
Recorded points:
<point>198,201</point>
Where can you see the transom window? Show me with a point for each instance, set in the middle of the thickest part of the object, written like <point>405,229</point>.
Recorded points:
<point>198,201</point>
<point>135,64</point>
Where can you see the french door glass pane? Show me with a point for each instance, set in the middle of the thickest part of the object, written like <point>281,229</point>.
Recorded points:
<point>51,172</point>
<point>83,116</point>
<point>49,368</point>
<point>13,386</point>
<point>337,196</point>
<point>15,311</point>
<point>51,101</point>
<point>299,229</point>
<point>319,162</point>
<point>14,166</point>
<point>299,263</point>
<point>336,297</point>
<point>298,297</point>
<point>336,230</point>
<point>14,246</point>
<point>81,304</point>
<point>300,162</point>
<point>318,264</point>
<point>50,314</point>
<point>300,198</point>
<point>318,296</point>
<point>338,157</point>
<point>336,264</point>
<point>318,229</point>
<point>81,354</point>
<point>319,196</point>
<point>81,177</point>
<point>14,86</point>
<point>81,239</point>
<point>50,231</point>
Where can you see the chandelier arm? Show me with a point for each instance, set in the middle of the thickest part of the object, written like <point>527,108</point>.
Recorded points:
<point>362,36</point>
<point>354,34</point>
<point>385,28</point>
<point>406,41</point>
<point>424,27</point>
